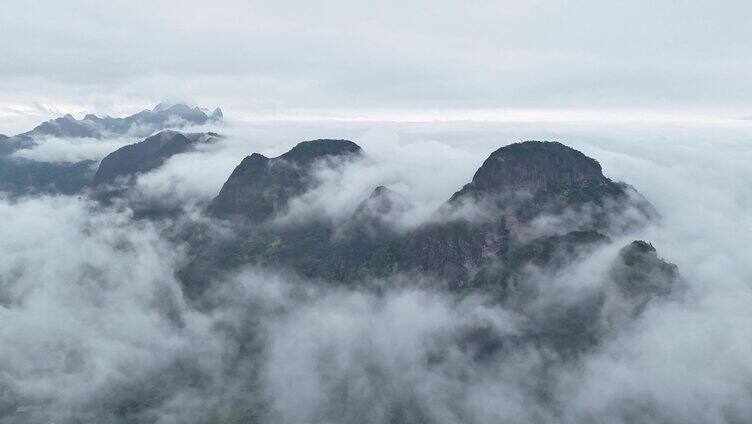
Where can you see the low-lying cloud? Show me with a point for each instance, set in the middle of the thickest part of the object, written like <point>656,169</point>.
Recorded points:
<point>96,326</point>
<point>70,150</point>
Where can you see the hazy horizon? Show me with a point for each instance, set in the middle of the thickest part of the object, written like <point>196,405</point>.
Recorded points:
<point>487,60</point>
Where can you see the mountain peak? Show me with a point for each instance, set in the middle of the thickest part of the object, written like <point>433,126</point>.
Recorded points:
<point>307,151</point>
<point>383,201</point>
<point>179,109</point>
<point>534,166</point>
<point>163,106</point>
<point>379,191</point>
<point>146,155</point>
<point>639,272</point>
<point>159,107</point>
<point>260,187</point>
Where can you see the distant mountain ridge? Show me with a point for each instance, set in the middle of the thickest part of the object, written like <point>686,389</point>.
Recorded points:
<point>140,124</point>
<point>24,176</point>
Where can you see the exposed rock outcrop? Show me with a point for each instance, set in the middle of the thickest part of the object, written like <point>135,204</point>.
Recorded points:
<point>641,275</point>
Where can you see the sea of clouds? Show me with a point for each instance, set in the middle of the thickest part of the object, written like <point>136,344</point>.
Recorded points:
<point>95,326</point>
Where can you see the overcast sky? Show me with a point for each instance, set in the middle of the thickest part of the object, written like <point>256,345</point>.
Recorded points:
<point>375,60</point>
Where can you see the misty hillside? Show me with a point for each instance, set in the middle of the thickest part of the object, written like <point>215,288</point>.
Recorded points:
<point>146,155</point>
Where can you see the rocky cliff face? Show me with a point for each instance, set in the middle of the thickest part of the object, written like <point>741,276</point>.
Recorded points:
<point>261,187</point>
